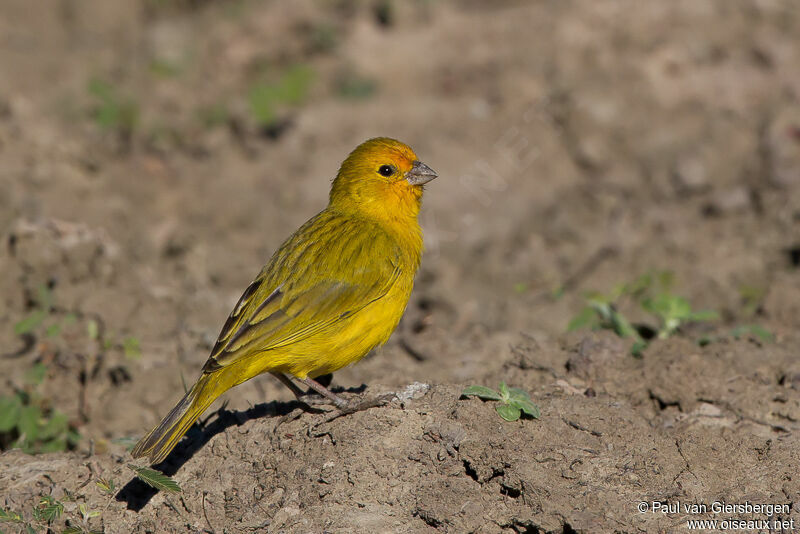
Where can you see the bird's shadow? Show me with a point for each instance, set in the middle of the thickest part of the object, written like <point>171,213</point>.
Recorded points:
<point>137,494</point>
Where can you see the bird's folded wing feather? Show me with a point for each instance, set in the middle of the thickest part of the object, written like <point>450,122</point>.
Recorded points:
<point>264,320</point>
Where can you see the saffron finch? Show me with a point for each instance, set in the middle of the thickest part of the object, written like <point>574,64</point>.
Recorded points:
<point>331,293</point>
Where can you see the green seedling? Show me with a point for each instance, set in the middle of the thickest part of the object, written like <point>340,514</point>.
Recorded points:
<point>113,111</point>
<point>31,322</point>
<point>673,311</point>
<point>752,298</point>
<point>87,514</point>
<point>107,486</point>
<point>131,347</point>
<point>520,288</point>
<point>512,402</point>
<point>750,331</point>
<point>52,321</point>
<point>155,479</point>
<point>652,292</point>
<point>48,509</point>
<point>353,86</point>
<point>602,314</point>
<point>10,516</point>
<point>753,330</point>
<point>27,423</point>
<point>290,90</point>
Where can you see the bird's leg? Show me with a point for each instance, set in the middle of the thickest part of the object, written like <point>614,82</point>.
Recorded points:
<point>345,407</point>
<point>325,392</point>
<point>286,381</point>
<point>330,397</point>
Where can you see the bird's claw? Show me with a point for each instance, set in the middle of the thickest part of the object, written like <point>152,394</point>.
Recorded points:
<point>314,400</point>
<point>357,405</point>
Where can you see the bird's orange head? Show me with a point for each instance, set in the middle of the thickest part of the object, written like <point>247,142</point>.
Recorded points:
<point>383,178</point>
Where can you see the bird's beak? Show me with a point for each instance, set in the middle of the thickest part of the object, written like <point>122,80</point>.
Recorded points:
<point>420,174</point>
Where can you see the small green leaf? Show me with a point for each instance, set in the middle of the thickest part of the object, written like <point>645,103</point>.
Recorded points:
<point>508,412</point>
<point>48,509</point>
<point>155,479</point>
<point>29,423</point>
<point>638,348</point>
<point>72,530</point>
<point>86,513</point>
<point>45,297</point>
<point>53,330</point>
<point>504,393</point>
<point>657,305</point>
<point>518,394</point>
<point>679,308</point>
<point>9,515</point>
<point>294,85</point>
<point>621,326</point>
<point>54,426</point>
<point>92,329</point>
<point>107,486</point>
<point>54,445</point>
<point>262,104</point>
<point>73,437</point>
<point>703,315</point>
<point>527,407</point>
<point>130,345</point>
<point>586,318</point>
<point>10,408</point>
<point>481,392</point>
<point>30,323</point>
<point>760,332</point>
<point>29,530</point>
<point>35,375</point>
<point>355,87</point>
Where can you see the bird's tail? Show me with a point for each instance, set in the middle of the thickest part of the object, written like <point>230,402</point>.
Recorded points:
<point>158,443</point>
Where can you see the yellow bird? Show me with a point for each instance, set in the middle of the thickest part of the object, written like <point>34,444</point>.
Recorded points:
<point>331,293</point>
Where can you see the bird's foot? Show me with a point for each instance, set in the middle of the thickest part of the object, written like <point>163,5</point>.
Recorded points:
<point>356,405</point>
<point>365,403</point>
<point>314,400</point>
<point>344,406</point>
<point>359,404</point>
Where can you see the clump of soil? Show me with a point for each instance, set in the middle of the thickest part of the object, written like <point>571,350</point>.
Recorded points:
<point>436,460</point>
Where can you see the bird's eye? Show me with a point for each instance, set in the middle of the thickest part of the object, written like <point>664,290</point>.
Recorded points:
<point>386,170</point>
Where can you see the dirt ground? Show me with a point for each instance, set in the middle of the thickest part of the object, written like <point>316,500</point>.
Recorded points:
<point>579,145</point>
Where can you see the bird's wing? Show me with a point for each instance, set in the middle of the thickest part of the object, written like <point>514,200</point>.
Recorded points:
<point>292,311</point>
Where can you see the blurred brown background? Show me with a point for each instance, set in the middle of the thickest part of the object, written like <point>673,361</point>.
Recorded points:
<point>153,154</point>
